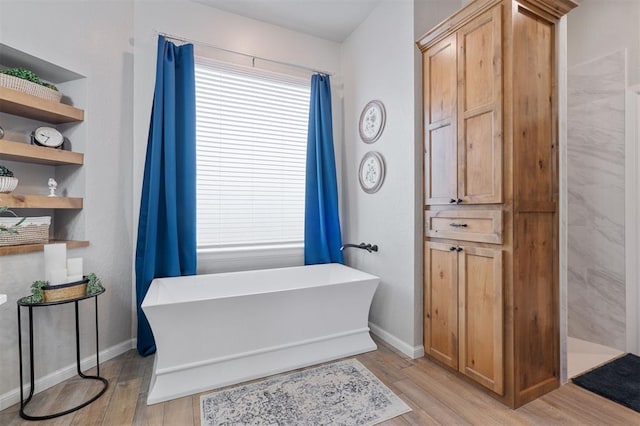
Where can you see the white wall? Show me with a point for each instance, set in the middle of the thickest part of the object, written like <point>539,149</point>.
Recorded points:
<point>92,39</point>
<point>599,27</point>
<point>229,31</point>
<point>378,62</point>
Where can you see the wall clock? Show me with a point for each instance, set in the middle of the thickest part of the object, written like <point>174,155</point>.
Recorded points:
<point>371,173</point>
<point>372,120</point>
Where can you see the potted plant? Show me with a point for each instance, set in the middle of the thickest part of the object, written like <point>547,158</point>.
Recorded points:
<point>42,291</point>
<point>13,229</point>
<point>27,81</point>
<point>7,181</point>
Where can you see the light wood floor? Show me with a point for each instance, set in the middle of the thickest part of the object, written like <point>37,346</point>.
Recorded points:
<point>435,395</point>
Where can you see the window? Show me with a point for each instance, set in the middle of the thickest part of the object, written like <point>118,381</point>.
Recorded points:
<point>251,138</point>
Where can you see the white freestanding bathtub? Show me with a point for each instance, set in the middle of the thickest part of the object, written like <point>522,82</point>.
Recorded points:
<point>220,329</point>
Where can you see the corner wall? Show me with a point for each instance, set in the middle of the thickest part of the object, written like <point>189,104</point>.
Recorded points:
<point>94,40</point>
<point>380,61</point>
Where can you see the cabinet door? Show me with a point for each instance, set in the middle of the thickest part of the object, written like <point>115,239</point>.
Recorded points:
<point>481,316</point>
<point>480,109</point>
<point>440,97</point>
<point>441,303</point>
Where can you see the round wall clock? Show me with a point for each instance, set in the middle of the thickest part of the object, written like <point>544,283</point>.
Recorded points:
<point>372,121</point>
<point>371,172</point>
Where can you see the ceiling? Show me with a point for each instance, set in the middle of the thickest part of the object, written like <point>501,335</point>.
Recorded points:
<point>328,19</point>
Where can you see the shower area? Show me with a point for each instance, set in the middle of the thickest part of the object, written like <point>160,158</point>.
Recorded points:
<point>596,288</point>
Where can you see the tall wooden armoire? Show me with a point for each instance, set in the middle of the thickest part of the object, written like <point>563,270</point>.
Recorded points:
<point>490,98</point>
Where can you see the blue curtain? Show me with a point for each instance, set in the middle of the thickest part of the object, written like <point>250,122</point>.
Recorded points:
<point>167,227</point>
<point>322,237</point>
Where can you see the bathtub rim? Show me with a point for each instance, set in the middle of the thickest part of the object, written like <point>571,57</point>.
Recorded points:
<point>153,290</point>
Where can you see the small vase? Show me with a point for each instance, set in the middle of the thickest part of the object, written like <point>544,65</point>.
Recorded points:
<point>7,184</point>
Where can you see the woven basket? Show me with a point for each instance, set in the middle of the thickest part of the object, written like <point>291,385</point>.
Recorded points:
<point>53,293</point>
<point>34,230</point>
<point>30,88</point>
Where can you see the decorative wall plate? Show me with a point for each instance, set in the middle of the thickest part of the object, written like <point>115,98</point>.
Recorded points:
<point>372,120</point>
<point>371,173</point>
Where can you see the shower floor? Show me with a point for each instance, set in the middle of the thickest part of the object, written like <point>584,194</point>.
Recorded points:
<point>583,356</point>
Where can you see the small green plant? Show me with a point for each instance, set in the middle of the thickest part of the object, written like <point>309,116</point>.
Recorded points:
<point>94,285</point>
<point>28,75</point>
<point>37,293</point>
<point>5,172</point>
<point>13,229</point>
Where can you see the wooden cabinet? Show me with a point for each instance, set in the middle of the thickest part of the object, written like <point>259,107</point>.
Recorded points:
<point>29,106</point>
<point>463,310</point>
<point>491,195</point>
<point>441,303</point>
<point>463,126</point>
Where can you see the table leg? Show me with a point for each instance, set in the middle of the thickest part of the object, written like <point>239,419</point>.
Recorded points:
<point>23,402</point>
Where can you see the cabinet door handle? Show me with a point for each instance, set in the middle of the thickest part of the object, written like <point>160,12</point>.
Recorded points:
<point>458,249</point>
<point>451,201</point>
<point>459,200</point>
<point>458,225</point>
<point>452,248</point>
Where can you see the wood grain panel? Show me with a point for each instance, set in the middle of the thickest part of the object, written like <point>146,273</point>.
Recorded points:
<point>479,176</point>
<point>535,300</point>
<point>441,303</point>
<point>17,201</point>
<point>477,50</point>
<point>25,105</point>
<point>442,87</point>
<point>555,8</point>
<point>440,95</point>
<point>480,115</point>
<point>441,179</point>
<point>26,153</point>
<point>468,225</point>
<point>533,133</point>
<point>481,316</point>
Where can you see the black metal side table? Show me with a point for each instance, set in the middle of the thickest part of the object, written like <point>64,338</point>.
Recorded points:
<point>23,303</point>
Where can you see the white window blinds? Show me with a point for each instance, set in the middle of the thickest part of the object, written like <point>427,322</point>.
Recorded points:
<point>251,138</point>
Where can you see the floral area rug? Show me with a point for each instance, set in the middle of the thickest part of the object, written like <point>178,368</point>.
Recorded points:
<point>342,393</point>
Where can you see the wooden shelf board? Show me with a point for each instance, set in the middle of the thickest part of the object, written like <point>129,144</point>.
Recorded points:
<point>26,153</point>
<point>39,202</point>
<point>23,104</point>
<point>32,248</point>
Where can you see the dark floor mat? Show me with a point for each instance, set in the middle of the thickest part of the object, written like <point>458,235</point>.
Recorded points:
<point>618,380</point>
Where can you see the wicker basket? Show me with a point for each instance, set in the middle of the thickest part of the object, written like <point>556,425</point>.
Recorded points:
<point>30,88</point>
<point>53,293</point>
<point>34,230</point>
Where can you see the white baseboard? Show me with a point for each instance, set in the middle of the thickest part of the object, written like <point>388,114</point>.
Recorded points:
<point>412,352</point>
<point>13,396</point>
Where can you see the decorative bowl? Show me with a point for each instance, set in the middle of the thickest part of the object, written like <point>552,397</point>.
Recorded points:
<point>7,184</point>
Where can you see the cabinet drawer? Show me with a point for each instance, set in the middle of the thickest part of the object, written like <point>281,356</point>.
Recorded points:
<point>483,226</point>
